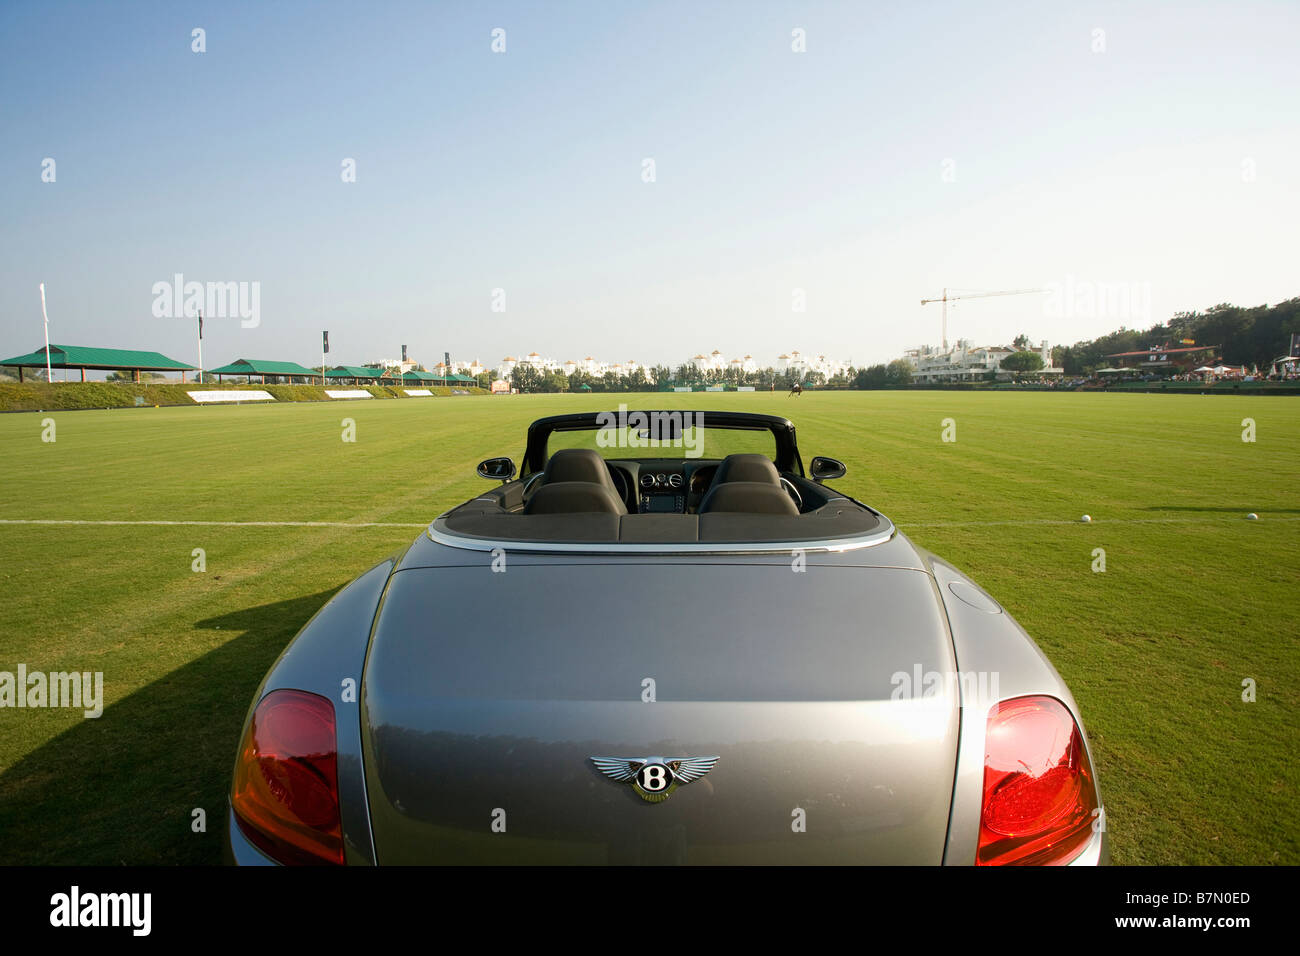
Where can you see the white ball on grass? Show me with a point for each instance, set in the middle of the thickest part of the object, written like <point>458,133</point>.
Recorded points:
<point>1086,518</point>
<point>1252,517</point>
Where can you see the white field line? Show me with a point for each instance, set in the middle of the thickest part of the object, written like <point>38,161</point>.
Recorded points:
<point>1053,521</point>
<point>230,524</point>
<point>1030,522</point>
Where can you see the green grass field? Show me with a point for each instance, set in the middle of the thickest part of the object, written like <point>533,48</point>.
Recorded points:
<point>1194,599</point>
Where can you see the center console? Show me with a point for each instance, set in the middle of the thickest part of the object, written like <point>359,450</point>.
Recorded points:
<point>662,490</point>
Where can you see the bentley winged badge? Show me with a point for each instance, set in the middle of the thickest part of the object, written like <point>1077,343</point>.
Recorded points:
<point>654,778</point>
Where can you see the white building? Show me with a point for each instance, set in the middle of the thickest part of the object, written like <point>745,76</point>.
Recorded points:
<point>394,363</point>
<point>965,362</point>
<point>534,359</point>
<point>458,368</point>
<point>796,361</point>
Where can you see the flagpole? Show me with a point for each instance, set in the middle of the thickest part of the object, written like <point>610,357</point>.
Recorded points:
<point>49,375</point>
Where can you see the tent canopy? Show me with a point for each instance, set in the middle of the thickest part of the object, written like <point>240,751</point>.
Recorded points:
<point>82,356</point>
<point>354,371</point>
<point>262,367</point>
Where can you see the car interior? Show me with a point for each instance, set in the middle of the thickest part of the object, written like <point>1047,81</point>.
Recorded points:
<point>581,496</point>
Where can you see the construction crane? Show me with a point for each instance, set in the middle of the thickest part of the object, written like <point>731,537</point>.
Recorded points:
<point>946,298</point>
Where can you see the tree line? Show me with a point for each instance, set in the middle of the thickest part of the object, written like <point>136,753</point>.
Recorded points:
<point>528,378</point>
<point>1248,336</point>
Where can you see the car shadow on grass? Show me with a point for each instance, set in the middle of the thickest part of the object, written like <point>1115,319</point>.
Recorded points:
<point>122,788</point>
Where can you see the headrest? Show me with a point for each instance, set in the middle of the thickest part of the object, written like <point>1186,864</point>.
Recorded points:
<point>747,468</point>
<point>578,464</point>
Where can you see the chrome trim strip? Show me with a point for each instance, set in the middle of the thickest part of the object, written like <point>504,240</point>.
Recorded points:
<point>439,534</point>
<point>1094,853</point>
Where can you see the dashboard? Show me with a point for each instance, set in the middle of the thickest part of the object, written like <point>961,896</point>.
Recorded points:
<point>669,486</point>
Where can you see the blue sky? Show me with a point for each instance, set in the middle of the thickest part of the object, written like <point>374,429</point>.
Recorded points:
<point>1167,164</point>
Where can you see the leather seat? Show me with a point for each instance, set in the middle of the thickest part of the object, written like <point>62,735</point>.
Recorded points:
<point>749,484</point>
<point>749,497</point>
<point>574,497</point>
<point>576,480</point>
<point>578,464</point>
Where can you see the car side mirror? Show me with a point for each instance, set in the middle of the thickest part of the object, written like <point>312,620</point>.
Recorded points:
<point>497,469</point>
<point>820,469</point>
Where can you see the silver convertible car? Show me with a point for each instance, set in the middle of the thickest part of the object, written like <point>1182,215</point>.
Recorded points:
<point>662,641</point>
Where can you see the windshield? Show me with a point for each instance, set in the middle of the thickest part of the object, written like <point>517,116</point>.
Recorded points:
<point>667,438</point>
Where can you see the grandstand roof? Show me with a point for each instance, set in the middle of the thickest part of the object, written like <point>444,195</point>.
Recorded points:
<point>354,371</point>
<point>84,356</point>
<point>261,367</point>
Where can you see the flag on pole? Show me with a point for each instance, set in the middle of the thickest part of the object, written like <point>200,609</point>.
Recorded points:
<point>200,325</point>
<point>403,353</point>
<point>325,342</point>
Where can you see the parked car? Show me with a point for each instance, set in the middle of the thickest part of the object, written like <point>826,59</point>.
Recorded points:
<point>661,640</point>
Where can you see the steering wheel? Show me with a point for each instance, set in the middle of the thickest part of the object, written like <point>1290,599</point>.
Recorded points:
<point>620,484</point>
<point>530,481</point>
<point>794,493</point>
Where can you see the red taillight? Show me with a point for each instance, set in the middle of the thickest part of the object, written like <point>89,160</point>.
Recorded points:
<point>1039,794</point>
<point>286,792</point>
